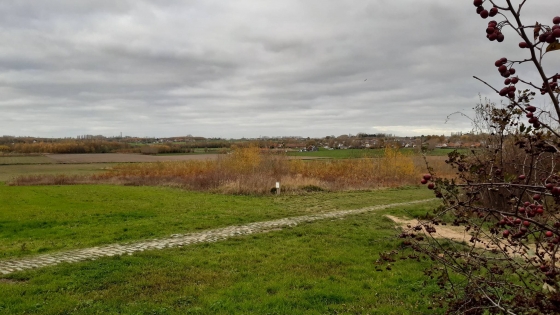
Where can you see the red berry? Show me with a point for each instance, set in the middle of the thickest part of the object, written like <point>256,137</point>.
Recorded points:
<point>489,30</point>
<point>427,176</point>
<point>556,191</point>
<point>507,82</point>
<point>533,120</point>
<point>479,9</point>
<point>521,177</point>
<point>423,181</point>
<point>477,3</point>
<point>512,71</point>
<point>500,38</point>
<point>431,186</point>
<point>549,39</point>
<point>514,80</point>
<point>549,186</point>
<point>531,108</point>
<point>526,223</point>
<point>556,20</point>
<point>503,60</point>
<point>556,33</point>
<point>529,115</point>
<point>517,221</point>
<point>484,14</point>
<point>523,45</point>
<point>505,233</point>
<point>548,234</point>
<point>521,209</point>
<point>502,69</point>
<point>539,211</point>
<point>493,11</point>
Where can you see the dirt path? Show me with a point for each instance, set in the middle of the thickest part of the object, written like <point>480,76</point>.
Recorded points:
<point>177,240</point>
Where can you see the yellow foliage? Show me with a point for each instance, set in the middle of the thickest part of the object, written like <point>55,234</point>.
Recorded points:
<point>252,170</point>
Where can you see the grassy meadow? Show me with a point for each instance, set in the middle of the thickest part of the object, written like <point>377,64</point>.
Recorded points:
<point>39,219</point>
<point>324,267</point>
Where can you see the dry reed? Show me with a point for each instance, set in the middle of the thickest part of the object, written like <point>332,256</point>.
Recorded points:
<point>254,171</point>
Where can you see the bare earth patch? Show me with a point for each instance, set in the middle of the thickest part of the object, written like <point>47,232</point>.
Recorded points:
<point>455,233</point>
<point>458,234</point>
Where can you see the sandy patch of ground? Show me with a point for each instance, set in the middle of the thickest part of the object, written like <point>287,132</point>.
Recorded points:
<point>456,233</point>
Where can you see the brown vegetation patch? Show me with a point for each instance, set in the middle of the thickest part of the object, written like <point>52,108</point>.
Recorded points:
<point>244,171</point>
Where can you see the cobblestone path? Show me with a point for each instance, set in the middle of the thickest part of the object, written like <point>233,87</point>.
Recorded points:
<point>176,240</point>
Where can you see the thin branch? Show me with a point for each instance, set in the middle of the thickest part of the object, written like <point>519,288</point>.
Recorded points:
<point>486,83</point>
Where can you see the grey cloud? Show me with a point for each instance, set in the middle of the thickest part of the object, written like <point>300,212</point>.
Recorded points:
<point>245,68</point>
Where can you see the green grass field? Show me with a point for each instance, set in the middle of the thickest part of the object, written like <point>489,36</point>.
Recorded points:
<point>325,267</point>
<point>364,153</point>
<point>38,219</point>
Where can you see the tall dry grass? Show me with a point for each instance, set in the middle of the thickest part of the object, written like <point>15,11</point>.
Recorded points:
<point>251,170</point>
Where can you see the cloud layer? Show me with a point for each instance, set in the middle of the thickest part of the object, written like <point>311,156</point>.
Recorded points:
<point>247,68</point>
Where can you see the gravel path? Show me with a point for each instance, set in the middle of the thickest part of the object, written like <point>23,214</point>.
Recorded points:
<point>176,240</point>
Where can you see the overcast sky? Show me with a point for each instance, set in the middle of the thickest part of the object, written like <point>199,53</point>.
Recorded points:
<point>248,68</point>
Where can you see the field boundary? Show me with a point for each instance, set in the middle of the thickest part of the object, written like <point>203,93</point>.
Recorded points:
<point>178,240</point>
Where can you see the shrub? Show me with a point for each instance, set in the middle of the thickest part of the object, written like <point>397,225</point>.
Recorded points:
<point>507,196</point>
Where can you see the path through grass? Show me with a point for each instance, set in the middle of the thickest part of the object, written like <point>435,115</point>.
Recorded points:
<point>326,267</point>
<point>39,219</point>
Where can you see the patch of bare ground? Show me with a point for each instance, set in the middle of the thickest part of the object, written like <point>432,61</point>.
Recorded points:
<point>455,233</point>
<point>459,234</point>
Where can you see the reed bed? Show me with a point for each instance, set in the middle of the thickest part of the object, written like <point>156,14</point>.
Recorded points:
<point>254,171</point>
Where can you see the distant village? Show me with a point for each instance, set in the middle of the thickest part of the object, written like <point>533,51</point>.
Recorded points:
<point>290,143</point>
